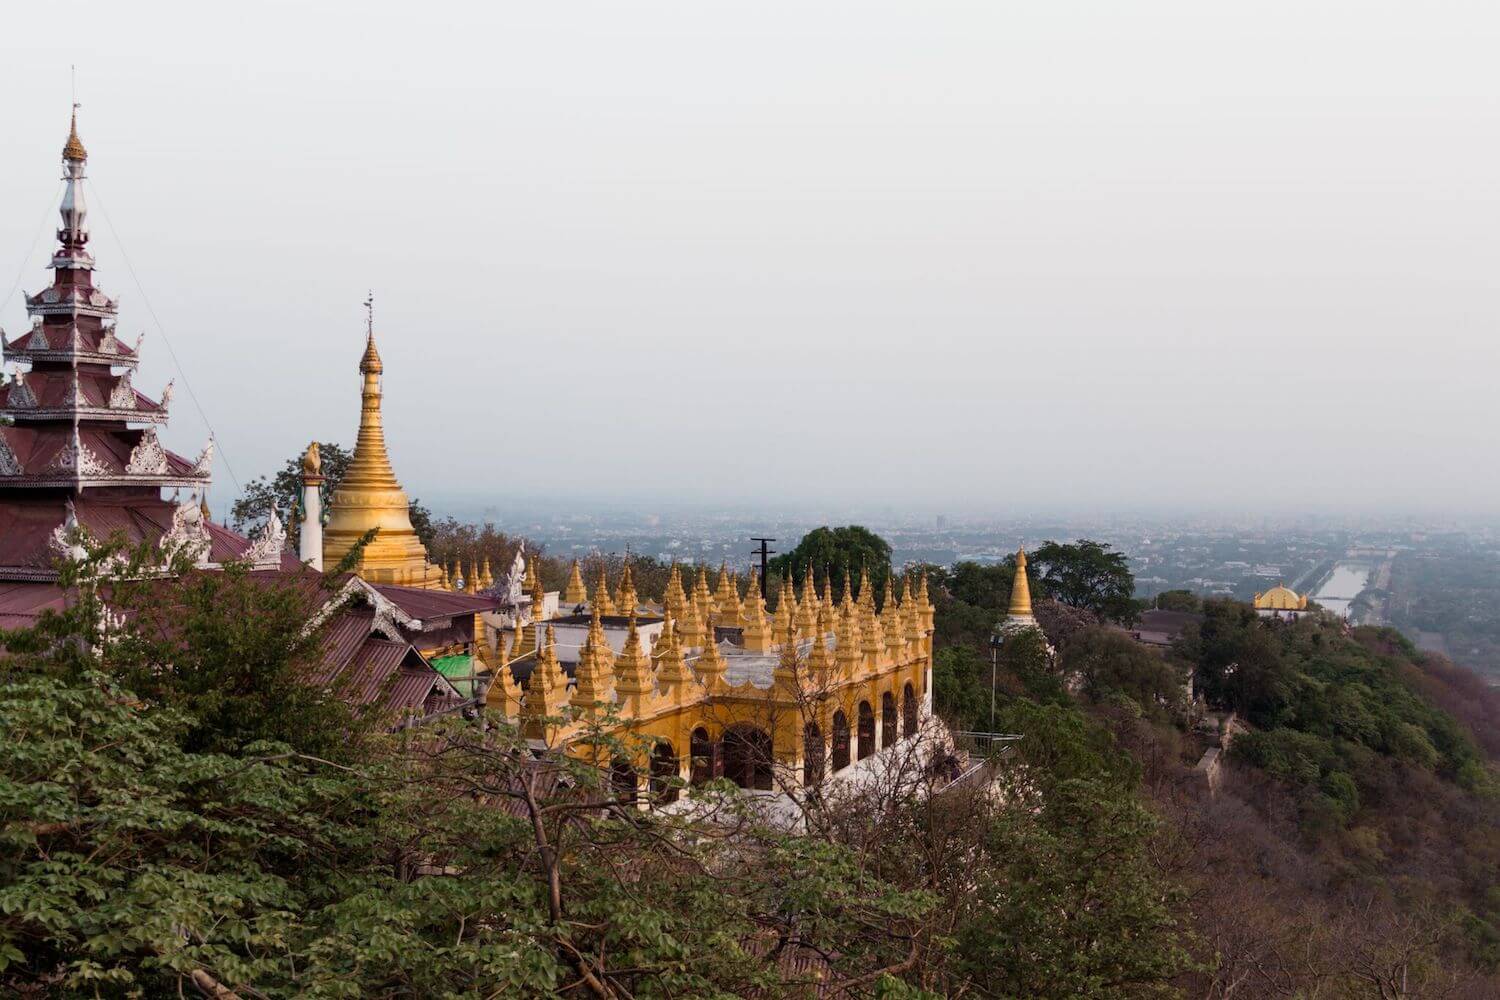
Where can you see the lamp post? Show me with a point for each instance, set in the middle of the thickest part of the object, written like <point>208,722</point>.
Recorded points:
<point>995,642</point>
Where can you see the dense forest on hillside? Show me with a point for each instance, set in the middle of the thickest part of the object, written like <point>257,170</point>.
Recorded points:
<point>1353,845</point>
<point>181,813</point>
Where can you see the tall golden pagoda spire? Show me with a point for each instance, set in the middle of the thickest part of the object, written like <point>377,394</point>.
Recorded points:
<point>369,495</point>
<point>1020,590</point>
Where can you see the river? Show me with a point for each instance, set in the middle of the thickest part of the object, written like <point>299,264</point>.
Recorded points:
<point>1343,586</point>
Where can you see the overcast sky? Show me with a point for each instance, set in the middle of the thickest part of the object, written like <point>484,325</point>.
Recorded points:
<point>991,255</point>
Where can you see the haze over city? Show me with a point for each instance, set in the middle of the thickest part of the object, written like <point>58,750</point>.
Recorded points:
<point>975,256</point>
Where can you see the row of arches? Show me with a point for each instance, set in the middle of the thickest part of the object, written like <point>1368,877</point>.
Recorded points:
<point>745,753</point>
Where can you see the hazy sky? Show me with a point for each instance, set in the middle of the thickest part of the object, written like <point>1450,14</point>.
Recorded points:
<point>988,255</point>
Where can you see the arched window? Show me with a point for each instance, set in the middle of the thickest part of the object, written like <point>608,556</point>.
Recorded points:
<point>747,756</point>
<point>701,750</point>
<point>622,778</point>
<point>840,741</point>
<point>866,730</point>
<point>908,711</point>
<point>887,720</point>
<point>663,770</point>
<point>812,754</point>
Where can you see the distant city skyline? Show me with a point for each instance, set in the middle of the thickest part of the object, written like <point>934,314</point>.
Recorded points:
<point>958,258</point>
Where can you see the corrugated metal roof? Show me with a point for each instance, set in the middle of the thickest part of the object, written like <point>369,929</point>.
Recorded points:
<point>435,603</point>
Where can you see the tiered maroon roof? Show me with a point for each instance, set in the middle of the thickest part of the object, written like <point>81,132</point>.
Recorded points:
<point>73,428</point>
<point>77,440</point>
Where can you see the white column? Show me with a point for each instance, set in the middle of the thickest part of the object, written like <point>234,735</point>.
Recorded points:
<point>310,543</point>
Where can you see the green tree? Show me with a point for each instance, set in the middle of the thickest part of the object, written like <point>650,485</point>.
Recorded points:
<point>1110,663</point>
<point>1087,574</point>
<point>837,551</point>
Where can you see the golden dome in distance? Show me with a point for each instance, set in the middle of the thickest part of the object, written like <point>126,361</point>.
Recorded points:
<point>1280,598</point>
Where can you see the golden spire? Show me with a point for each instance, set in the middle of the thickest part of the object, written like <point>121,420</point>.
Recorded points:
<point>575,592</point>
<point>788,667</point>
<point>757,635</point>
<point>634,682</point>
<point>783,618</point>
<point>846,644</point>
<point>538,602</point>
<point>504,693</point>
<point>701,592</point>
<point>819,662</point>
<point>533,578</point>
<point>627,599</point>
<point>672,671</point>
<point>750,591</point>
<point>602,599</point>
<point>595,672</point>
<point>475,581</point>
<point>691,627</point>
<point>1020,591</point>
<point>710,666</point>
<point>487,578</point>
<point>73,149</point>
<point>675,597</point>
<point>807,608</point>
<point>727,597</point>
<point>369,496</point>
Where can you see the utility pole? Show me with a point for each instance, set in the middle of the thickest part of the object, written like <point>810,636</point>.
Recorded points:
<point>765,554</point>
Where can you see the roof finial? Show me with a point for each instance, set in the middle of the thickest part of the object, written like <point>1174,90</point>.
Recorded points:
<point>370,363</point>
<point>73,150</point>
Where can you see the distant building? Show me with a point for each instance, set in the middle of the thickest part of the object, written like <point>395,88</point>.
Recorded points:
<point>1281,602</point>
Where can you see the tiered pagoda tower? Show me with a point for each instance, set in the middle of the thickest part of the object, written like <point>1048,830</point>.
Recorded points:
<point>79,444</point>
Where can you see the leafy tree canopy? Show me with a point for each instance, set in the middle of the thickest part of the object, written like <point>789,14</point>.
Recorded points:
<point>836,551</point>
<point>285,490</point>
<point>1086,574</point>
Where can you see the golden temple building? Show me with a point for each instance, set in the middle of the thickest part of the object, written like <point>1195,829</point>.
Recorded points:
<point>1280,601</point>
<point>711,686</point>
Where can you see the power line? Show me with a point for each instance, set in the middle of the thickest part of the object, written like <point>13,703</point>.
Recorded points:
<point>182,373</point>
<point>41,227</point>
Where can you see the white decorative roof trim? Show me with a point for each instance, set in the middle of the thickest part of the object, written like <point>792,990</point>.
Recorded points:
<point>21,395</point>
<point>188,535</point>
<point>77,458</point>
<point>387,615</point>
<point>122,397</point>
<point>265,551</point>
<point>148,457</point>
<point>166,393</point>
<point>204,465</point>
<point>9,464</point>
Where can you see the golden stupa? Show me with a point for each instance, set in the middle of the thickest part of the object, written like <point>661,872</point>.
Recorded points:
<point>1020,590</point>
<point>370,497</point>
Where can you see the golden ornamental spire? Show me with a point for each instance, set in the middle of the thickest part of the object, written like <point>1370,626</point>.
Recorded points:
<point>634,681</point>
<point>710,665</point>
<point>626,598</point>
<point>73,149</point>
<point>1020,591</point>
<point>575,592</point>
<point>602,599</point>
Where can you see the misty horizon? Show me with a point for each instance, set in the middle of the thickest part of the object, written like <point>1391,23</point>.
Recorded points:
<point>1014,260</point>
